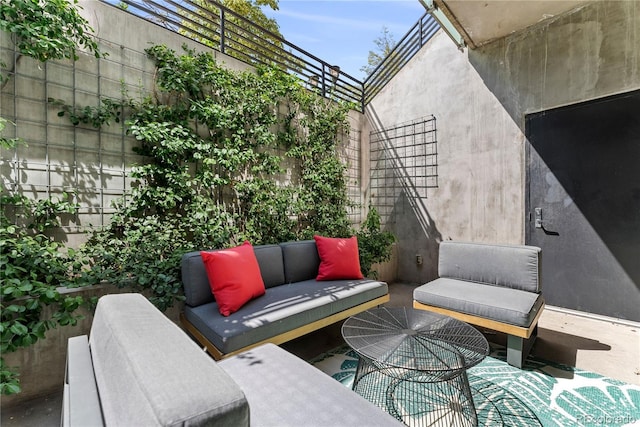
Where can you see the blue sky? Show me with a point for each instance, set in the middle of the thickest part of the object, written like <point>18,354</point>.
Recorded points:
<point>342,32</point>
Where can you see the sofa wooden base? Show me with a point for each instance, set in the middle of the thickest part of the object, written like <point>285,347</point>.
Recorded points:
<point>286,336</point>
<point>519,339</point>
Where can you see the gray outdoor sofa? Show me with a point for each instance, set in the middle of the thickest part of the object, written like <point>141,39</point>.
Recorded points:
<point>138,368</point>
<point>492,286</point>
<point>294,303</point>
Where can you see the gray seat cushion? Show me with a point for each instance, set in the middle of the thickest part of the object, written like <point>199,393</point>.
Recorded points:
<point>285,391</point>
<point>505,305</point>
<point>281,309</point>
<point>149,372</point>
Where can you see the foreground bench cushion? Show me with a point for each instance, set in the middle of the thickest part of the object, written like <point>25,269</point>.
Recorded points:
<point>285,391</point>
<point>140,369</point>
<point>149,372</point>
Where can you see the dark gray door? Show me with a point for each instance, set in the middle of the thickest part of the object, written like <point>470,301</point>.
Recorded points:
<point>583,179</point>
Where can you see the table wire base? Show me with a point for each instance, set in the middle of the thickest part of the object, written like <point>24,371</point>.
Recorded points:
<point>417,398</point>
<point>413,364</point>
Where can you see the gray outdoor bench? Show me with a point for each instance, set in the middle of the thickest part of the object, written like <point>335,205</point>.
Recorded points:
<point>491,286</point>
<point>294,304</point>
<point>138,368</point>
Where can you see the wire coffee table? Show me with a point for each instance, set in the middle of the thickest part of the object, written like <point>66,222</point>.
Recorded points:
<point>413,364</point>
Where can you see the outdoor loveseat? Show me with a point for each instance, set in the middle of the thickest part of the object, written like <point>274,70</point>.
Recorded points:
<point>294,302</point>
<point>138,368</point>
<point>491,286</point>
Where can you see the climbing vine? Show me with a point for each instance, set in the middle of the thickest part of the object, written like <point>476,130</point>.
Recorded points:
<point>32,264</point>
<point>51,29</point>
<point>231,156</point>
<point>32,267</point>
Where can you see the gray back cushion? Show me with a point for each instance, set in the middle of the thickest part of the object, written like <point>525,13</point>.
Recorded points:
<point>149,372</point>
<point>195,281</point>
<point>301,260</point>
<point>512,266</point>
<point>270,261</point>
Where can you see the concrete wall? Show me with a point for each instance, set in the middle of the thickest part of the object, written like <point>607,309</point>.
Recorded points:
<point>480,98</point>
<point>585,54</point>
<point>480,153</point>
<point>121,31</point>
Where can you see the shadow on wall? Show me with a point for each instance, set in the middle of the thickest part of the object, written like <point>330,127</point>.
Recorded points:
<point>584,180</point>
<point>496,75</point>
<point>584,54</point>
<point>409,219</point>
<point>555,80</point>
<point>415,240</point>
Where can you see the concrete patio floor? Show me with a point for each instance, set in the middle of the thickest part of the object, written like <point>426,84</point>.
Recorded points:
<point>599,345</point>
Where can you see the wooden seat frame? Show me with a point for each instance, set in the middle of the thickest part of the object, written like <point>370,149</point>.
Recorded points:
<point>519,339</point>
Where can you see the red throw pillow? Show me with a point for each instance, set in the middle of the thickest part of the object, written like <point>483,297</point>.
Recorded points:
<point>234,277</point>
<point>339,258</point>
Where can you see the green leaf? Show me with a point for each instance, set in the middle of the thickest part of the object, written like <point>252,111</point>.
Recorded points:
<point>19,329</point>
<point>9,388</point>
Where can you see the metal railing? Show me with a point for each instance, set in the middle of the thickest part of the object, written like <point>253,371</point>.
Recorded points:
<point>220,28</point>
<point>399,56</point>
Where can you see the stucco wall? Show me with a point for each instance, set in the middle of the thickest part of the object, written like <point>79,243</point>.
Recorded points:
<point>480,98</point>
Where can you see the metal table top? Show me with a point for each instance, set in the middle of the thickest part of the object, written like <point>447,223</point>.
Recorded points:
<point>415,340</point>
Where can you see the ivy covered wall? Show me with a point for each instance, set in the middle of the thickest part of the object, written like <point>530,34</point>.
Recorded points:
<point>89,161</point>
<point>201,146</point>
